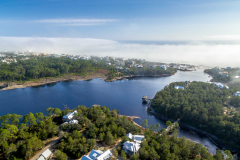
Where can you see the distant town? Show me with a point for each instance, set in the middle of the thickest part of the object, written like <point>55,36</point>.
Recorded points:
<point>119,62</point>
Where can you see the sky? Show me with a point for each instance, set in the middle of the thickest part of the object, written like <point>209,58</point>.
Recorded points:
<point>186,25</point>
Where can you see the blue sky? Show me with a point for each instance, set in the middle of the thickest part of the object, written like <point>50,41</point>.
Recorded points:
<point>122,19</point>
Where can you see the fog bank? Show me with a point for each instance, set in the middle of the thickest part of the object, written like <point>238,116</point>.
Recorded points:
<point>199,54</point>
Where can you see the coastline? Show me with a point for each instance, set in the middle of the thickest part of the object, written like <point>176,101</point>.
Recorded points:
<point>219,143</point>
<point>44,81</point>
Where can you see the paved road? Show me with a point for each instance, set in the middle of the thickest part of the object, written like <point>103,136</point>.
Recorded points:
<point>49,146</point>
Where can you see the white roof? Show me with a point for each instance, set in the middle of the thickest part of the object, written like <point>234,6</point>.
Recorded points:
<point>138,138</point>
<point>105,155</point>
<point>46,153</point>
<point>41,158</point>
<point>131,146</point>
<point>73,121</point>
<point>69,115</point>
<point>129,135</point>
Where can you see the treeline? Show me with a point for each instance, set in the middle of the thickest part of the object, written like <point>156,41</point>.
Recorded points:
<point>216,77</point>
<point>21,137</point>
<point>42,67</point>
<point>200,105</point>
<point>147,71</point>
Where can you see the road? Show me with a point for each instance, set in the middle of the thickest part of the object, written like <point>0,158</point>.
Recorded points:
<point>49,146</point>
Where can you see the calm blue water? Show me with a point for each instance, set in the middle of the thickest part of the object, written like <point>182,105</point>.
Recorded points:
<point>124,95</point>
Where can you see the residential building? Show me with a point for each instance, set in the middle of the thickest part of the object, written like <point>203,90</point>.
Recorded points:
<point>98,155</point>
<point>69,116</point>
<point>164,67</point>
<point>135,138</point>
<point>228,68</point>
<point>237,93</point>
<point>73,121</point>
<point>223,74</point>
<point>220,85</point>
<point>45,155</point>
<point>178,87</point>
<point>131,148</point>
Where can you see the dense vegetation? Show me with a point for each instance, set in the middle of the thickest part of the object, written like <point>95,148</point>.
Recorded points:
<point>200,105</point>
<point>147,71</point>
<point>48,67</point>
<point>235,101</point>
<point>41,67</point>
<point>216,77</point>
<point>164,147</point>
<point>21,137</point>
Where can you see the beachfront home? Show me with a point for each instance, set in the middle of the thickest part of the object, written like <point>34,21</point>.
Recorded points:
<point>237,93</point>
<point>131,148</point>
<point>135,138</point>
<point>69,116</point>
<point>178,87</point>
<point>45,155</point>
<point>220,85</point>
<point>97,155</point>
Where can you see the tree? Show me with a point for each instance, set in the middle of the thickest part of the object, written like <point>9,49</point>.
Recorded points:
<point>115,152</point>
<point>228,154</point>
<point>30,119</point>
<point>109,138</point>
<point>145,123</point>
<point>123,155</point>
<point>60,155</point>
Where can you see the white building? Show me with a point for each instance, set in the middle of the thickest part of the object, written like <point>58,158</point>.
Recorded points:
<point>73,121</point>
<point>98,155</point>
<point>237,93</point>
<point>220,85</point>
<point>164,67</point>
<point>131,148</point>
<point>45,155</point>
<point>69,116</point>
<point>178,87</point>
<point>135,138</point>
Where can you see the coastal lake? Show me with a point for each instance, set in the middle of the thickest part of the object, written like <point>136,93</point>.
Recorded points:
<point>123,95</point>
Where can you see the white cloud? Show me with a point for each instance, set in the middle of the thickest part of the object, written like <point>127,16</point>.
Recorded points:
<point>225,37</point>
<point>205,54</point>
<point>75,21</point>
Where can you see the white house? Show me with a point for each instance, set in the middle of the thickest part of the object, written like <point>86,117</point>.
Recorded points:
<point>97,155</point>
<point>131,148</point>
<point>69,116</point>
<point>178,87</point>
<point>135,138</point>
<point>73,121</point>
<point>237,93</point>
<point>45,155</point>
<point>164,67</point>
<point>220,85</point>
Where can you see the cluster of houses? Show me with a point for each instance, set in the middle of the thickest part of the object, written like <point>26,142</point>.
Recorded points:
<point>68,119</point>
<point>132,147</point>
<point>221,71</point>
<point>8,61</point>
<point>237,93</point>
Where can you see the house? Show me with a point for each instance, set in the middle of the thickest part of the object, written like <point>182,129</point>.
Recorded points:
<point>223,74</point>
<point>130,63</point>
<point>69,116</point>
<point>216,69</point>
<point>135,138</point>
<point>131,148</point>
<point>164,67</point>
<point>45,155</point>
<point>97,155</point>
<point>178,87</point>
<point>220,85</point>
<point>73,121</point>
<point>237,93</point>
<point>228,68</point>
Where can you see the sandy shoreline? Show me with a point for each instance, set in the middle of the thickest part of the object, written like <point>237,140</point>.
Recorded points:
<point>16,85</point>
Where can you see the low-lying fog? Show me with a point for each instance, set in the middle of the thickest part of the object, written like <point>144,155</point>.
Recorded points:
<point>210,54</point>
